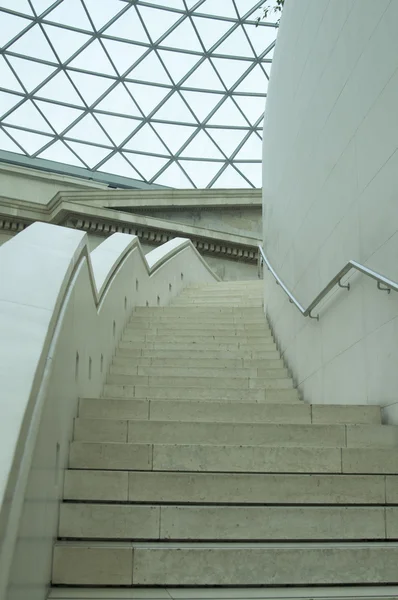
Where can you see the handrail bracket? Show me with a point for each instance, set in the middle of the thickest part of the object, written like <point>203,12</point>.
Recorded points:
<point>383,289</point>
<point>347,287</point>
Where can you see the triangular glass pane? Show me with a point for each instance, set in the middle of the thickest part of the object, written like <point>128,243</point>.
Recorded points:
<point>129,27</point>
<point>252,106</point>
<point>93,56</point>
<point>227,139</point>
<point>102,12</point>
<point>227,114</point>
<point>251,150</point>
<point>252,171</point>
<point>236,44</point>
<point>147,96</point>
<point>174,177</point>
<point>117,127</point>
<point>59,116</point>
<point>70,13</point>
<point>122,54</point>
<point>65,41</point>
<point>150,69</point>
<point>33,43</point>
<point>59,152</point>
<point>7,77</point>
<point>230,178</point>
<point>146,140</point>
<point>201,147</point>
<point>219,8</point>
<point>230,70</point>
<point>22,6</point>
<point>118,100</point>
<point>202,103</point>
<point>31,142</point>
<point>175,109</point>
<point>170,3</point>
<point>204,77</point>
<point>148,166</point>
<point>174,136</point>
<point>255,81</point>
<point>28,116</point>
<point>211,30</point>
<point>118,165</point>
<point>158,21</point>
<point>88,130</point>
<point>91,87</point>
<point>183,37</point>
<point>30,73</point>
<point>178,63</point>
<point>245,9</point>
<point>201,172</point>
<point>261,37</point>
<point>60,88</point>
<point>41,5</point>
<point>91,155</point>
<point>8,144</point>
<point>11,25</point>
<point>7,101</point>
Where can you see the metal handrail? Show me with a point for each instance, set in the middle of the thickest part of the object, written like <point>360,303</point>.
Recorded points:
<point>307,312</point>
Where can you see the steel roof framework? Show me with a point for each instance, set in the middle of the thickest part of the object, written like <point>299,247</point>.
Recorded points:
<point>147,90</point>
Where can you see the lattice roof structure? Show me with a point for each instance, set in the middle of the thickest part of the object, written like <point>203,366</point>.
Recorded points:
<point>161,92</point>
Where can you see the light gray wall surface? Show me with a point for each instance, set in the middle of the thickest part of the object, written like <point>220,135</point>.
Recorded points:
<point>330,194</point>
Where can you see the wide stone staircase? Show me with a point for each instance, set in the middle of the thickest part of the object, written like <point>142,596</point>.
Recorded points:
<point>201,466</point>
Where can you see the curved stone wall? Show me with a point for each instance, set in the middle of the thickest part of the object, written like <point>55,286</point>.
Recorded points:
<point>330,193</point>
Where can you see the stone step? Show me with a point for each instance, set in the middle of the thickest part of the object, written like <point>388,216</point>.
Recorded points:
<point>199,363</point>
<point>191,310</point>
<point>230,320</point>
<point>200,433</point>
<point>153,371</point>
<point>229,488</point>
<point>204,564</point>
<point>213,383</point>
<point>238,593</point>
<point>201,326</point>
<point>197,393</point>
<point>203,346</point>
<point>196,457</point>
<point>131,333</point>
<point>241,354</point>
<point>225,523</point>
<point>174,410</point>
<point>240,412</point>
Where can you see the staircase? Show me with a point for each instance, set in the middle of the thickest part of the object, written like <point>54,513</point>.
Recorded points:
<point>201,466</point>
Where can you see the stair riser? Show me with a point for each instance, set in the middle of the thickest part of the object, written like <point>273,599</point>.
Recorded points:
<point>214,383</point>
<point>194,411</point>
<point>114,566</point>
<point>221,354</point>
<point>132,522</point>
<point>225,328</point>
<point>236,349</point>
<point>131,334</point>
<point>232,395</point>
<point>185,372</point>
<point>261,434</point>
<point>198,363</point>
<point>230,488</point>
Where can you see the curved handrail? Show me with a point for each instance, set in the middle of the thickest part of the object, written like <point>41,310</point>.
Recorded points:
<point>351,264</point>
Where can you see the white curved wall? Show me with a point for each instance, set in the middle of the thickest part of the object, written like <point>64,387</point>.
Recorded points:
<point>62,312</point>
<point>330,188</point>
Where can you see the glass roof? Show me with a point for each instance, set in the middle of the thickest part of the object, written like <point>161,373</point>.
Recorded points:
<point>168,92</point>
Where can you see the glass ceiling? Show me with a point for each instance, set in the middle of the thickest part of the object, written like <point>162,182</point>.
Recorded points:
<point>168,92</point>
